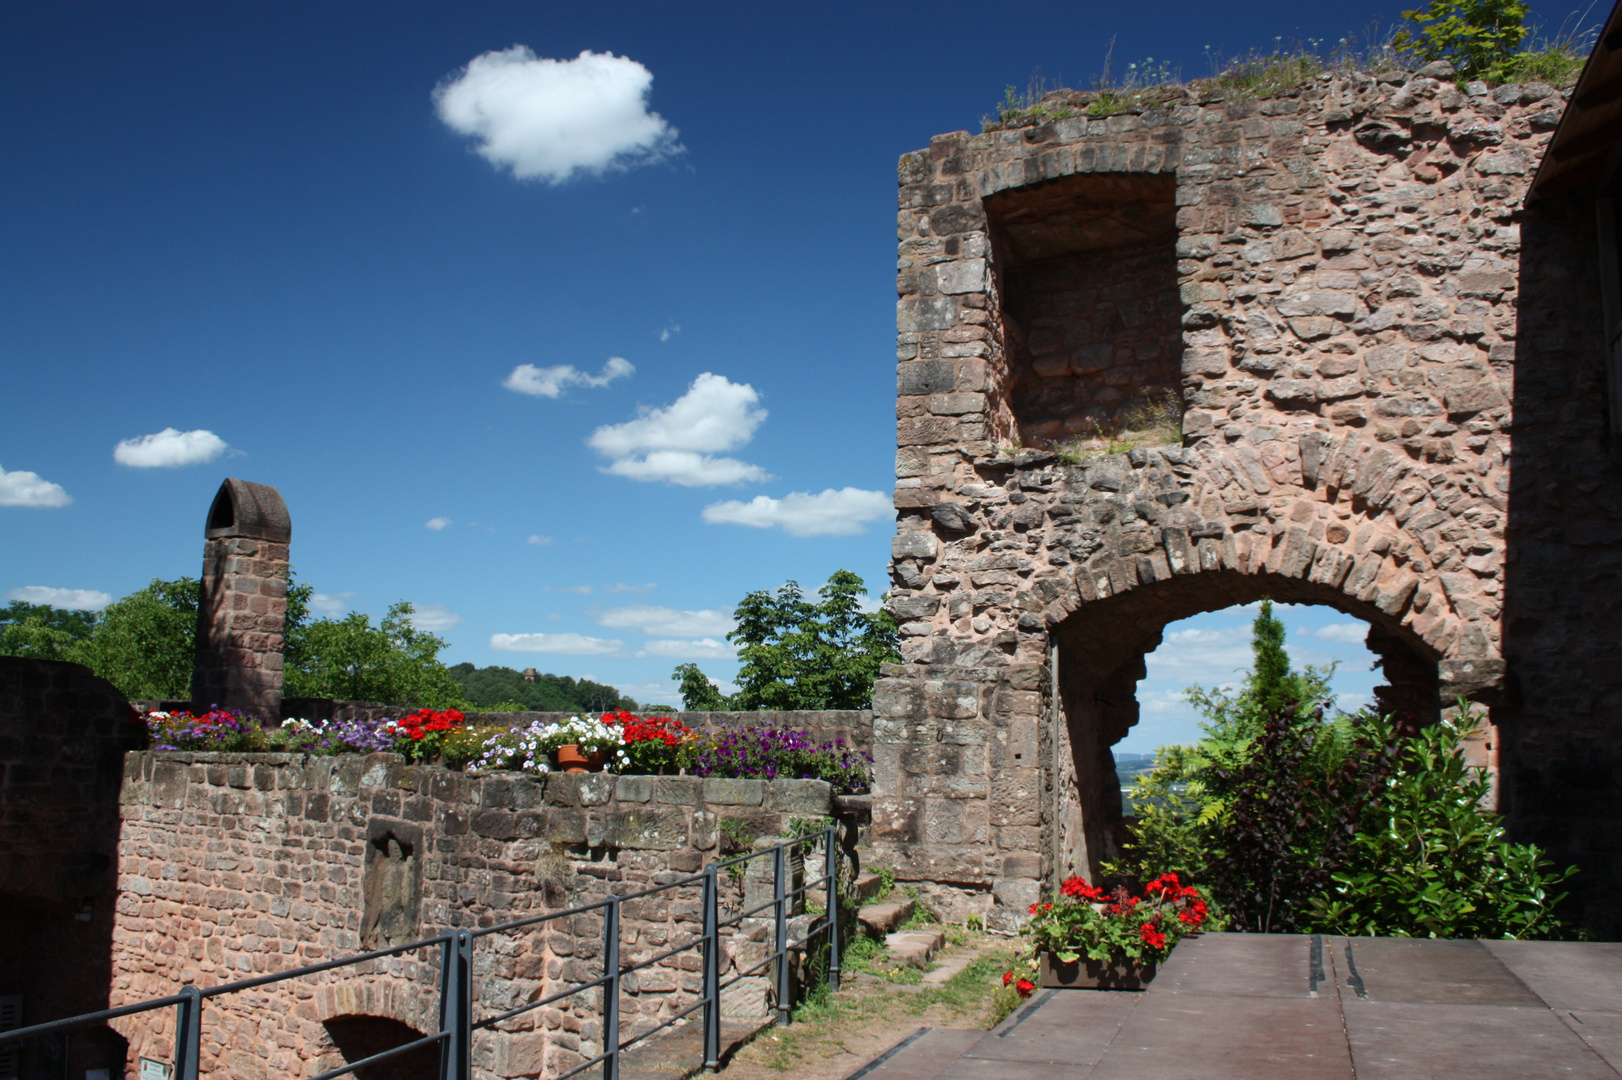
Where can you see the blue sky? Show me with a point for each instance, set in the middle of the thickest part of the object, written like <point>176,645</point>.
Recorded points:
<point>571,352</point>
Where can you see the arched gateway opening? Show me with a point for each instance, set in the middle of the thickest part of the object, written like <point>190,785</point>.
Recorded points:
<point>1098,658</point>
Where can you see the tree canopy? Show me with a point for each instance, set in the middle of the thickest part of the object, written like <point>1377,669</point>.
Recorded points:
<point>800,654</point>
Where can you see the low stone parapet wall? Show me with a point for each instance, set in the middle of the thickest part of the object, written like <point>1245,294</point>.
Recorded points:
<point>233,865</point>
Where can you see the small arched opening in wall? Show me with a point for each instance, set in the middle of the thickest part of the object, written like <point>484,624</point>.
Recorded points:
<point>359,1036</point>
<point>1100,652</point>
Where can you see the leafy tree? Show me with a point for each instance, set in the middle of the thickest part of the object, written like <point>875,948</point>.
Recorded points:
<point>802,655</point>
<point>698,694</point>
<point>143,644</point>
<point>1473,35</point>
<point>42,631</point>
<point>350,659</point>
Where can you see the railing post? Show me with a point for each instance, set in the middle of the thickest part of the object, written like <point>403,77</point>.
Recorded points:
<point>712,971</point>
<point>611,989</point>
<point>831,860</point>
<point>456,1006</point>
<point>780,910</point>
<point>189,1034</point>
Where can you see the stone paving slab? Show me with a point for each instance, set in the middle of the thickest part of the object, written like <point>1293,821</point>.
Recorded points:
<point>1056,1035</point>
<point>1244,1006</point>
<point>1423,971</point>
<point>1415,1041</point>
<point>923,1055</point>
<point>1238,965</point>
<point>1217,1037</point>
<point>1566,974</point>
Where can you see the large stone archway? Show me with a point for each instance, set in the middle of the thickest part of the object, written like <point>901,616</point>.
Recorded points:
<point>1328,282</point>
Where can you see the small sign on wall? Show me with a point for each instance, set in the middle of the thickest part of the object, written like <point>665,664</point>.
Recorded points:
<point>154,1070</point>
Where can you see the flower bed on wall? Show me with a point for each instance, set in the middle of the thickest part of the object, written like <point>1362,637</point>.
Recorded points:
<point>622,742</point>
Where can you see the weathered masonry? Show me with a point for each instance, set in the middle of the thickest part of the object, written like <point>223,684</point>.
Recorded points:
<point>1393,387</point>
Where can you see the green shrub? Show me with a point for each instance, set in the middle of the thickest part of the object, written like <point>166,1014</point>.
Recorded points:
<point>1473,35</point>
<point>1427,862</point>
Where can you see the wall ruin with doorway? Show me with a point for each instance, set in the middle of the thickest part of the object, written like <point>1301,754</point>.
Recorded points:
<point>1347,262</point>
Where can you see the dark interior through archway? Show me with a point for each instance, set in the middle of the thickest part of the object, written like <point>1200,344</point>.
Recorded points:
<point>1101,652</point>
<point>359,1037</point>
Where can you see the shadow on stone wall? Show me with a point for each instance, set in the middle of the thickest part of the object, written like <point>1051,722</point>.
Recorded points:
<point>63,734</point>
<point>1559,722</point>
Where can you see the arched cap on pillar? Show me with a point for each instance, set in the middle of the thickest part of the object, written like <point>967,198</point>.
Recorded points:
<point>243,508</point>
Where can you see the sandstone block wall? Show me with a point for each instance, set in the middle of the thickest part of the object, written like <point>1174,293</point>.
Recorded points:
<point>1369,322</point>
<point>63,734</point>
<point>242,608</point>
<point>233,865</point>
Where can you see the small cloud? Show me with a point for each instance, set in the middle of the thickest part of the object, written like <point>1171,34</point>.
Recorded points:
<point>1343,633</point>
<point>670,331</point>
<point>434,617</point>
<point>623,588</point>
<point>832,513</point>
<point>552,119</point>
<point>538,540</point>
<point>330,604</point>
<point>437,524</point>
<point>553,617</point>
<point>72,599</point>
<point>169,449</point>
<point>666,622</point>
<point>702,649</point>
<point>562,644</point>
<point>550,382</point>
<point>675,443</point>
<point>581,590</point>
<point>23,488</point>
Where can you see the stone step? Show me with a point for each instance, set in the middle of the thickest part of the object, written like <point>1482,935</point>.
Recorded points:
<point>915,947</point>
<point>867,886</point>
<point>951,966</point>
<point>884,918</point>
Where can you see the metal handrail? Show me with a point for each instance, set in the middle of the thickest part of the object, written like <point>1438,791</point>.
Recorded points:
<point>456,1024</point>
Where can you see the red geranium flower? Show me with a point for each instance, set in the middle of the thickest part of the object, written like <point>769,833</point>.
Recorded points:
<point>1152,937</point>
<point>1025,987</point>
<point>1007,977</point>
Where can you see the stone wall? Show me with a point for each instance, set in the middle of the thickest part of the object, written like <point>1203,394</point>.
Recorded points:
<point>242,600</point>
<point>233,865</point>
<point>1356,351</point>
<point>63,733</point>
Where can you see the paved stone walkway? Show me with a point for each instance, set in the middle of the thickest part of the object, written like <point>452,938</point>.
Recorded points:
<point>1298,1007</point>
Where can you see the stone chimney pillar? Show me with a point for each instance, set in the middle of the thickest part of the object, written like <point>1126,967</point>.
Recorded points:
<point>242,609</point>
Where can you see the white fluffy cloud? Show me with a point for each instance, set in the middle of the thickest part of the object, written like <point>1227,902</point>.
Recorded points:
<point>550,382</point>
<point>538,540</point>
<point>434,617</point>
<point>701,649</point>
<point>335,604</point>
<point>72,599</point>
<point>22,488</point>
<point>621,587</point>
<point>436,524</point>
<point>844,512</point>
<point>169,449</point>
<point>563,644</point>
<point>666,622</point>
<point>1343,633</point>
<point>550,119</point>
<point>676,443</point>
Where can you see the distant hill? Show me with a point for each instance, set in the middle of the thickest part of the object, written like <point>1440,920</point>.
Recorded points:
<point>488,686</point>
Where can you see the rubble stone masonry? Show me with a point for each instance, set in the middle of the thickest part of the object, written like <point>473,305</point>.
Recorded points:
<point>1394,403</point>
<point>236,865</point>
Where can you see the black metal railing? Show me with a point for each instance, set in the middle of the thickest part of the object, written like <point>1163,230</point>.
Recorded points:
<point>454,1035</point>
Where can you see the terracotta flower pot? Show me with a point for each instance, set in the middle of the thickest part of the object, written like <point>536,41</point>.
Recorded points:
<point>570,759</point>
<point>1088,974</point>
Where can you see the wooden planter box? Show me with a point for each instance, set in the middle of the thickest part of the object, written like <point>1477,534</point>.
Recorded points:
<point>1088,974</point>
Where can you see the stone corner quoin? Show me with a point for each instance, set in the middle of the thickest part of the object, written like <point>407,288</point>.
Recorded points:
<point>1329,281</point>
